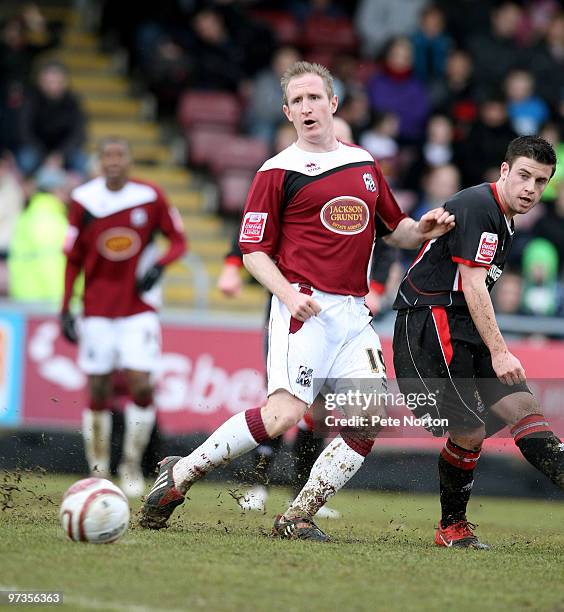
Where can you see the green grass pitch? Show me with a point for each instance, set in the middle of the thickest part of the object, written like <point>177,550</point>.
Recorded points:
<point>216,558</point>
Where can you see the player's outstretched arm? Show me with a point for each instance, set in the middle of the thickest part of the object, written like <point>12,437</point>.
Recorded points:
<point>506,366</point>
<point>300,305</point>
<point>409,234</point>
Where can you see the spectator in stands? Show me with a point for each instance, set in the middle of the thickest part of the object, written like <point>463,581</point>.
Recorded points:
<point>436,150</point>
<point>486,143</point>
<point>167,73</point>
<point>431,45</point>
<point>52,123</point>
<point>310,9</point>
<point>21,40</point>
<point>551,225</point>
<point>454,96</point>
<point>507,294</point>
<point>217,59</point>
<point>546,60</point>
<point>396,89</point>
<point>380,140</point>
<point>542,293</point>
<point>36,263</point>
<point>11,201</point>
<point>377,22</point>
<point>495,52</point>
<point>355,110</point>
<point>527,111</point>
<point>551,132</point>
<point>439,183</point>
<point>264,95</point>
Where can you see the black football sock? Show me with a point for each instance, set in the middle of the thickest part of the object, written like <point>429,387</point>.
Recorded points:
<point>540,447</point>
<point>305,450</point>
<point>456,475</point>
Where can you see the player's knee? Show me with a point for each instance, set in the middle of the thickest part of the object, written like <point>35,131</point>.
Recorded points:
<point>470,440</point>
<point>142,395</point>
<point>281,414</point>
<point>99,392</point>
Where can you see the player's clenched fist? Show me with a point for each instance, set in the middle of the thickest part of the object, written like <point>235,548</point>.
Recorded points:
<point>302,307</point>
<point>508,368</point>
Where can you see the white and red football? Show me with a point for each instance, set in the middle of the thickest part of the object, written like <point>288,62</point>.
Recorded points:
<point>94,510</point>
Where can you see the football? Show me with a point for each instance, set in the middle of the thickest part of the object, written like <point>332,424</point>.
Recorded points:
<point>94,510</point>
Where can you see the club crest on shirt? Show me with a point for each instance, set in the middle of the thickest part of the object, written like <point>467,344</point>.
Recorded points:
<point>486,248</point>
<point>369,181</point>
<point>345,215</point>
<point>252,228</point>
<point>138,217</point>
<point>305,376</point>
<point>119,243</point>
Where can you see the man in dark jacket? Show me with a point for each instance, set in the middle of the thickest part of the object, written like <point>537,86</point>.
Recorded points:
<point>52,123</point>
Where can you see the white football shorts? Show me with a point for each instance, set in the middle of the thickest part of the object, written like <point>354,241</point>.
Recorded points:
<point>336,350</point>
<point>132,343</point>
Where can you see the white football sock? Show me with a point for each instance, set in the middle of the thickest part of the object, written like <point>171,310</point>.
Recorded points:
<point>229,441</point>
<point>139,423</point>
<point>97,435</point>
<point>336,465</point>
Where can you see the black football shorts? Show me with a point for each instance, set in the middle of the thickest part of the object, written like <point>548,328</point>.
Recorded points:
<point>439,350</point>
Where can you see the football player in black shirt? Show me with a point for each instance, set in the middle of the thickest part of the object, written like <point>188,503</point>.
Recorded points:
<point>447,341</point>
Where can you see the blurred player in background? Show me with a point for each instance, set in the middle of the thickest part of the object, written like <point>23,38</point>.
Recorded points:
<point>307,235</point>
<point>306,445</point>
<point>447,339</point>
<point>112,225</point>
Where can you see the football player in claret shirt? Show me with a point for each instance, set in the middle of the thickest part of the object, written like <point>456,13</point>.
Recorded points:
<point>307,234</point>
<point>446,338</point>
<point>112,225</point>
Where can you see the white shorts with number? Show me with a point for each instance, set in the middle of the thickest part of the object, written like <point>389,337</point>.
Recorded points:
<point>132,343</point>
<point>337,347</point>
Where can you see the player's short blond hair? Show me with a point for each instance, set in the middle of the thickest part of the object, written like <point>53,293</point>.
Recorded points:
<point>301,68</point>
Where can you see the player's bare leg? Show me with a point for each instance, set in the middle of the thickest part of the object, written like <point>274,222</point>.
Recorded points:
<point>139,420</point>
<point>97,426</point>
<point>334,467</point>
<point>238,435</point>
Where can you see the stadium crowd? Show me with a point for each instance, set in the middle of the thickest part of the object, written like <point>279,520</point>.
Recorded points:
<point>415,80</point>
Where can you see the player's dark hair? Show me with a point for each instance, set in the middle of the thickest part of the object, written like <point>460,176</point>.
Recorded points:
<point>108,140</point>
<point>532,147</point>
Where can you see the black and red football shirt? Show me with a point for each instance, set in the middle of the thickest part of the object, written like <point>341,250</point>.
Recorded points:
<point>482,236</point>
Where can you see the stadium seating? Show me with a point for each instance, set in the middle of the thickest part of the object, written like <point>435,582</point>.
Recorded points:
<point>217,108</point>
<point>203,144</point>
<point>329,34</point>
<point>282,23</point>
<point>239,153</point>
<point>233,188</point>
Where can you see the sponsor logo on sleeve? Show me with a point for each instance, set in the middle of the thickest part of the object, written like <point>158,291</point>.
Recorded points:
<point>486,248</point>
<point>345,215</point>
<point>252,228</point>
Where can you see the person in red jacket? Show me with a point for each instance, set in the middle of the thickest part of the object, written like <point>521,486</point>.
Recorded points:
<point>113,220</point>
